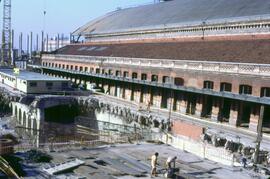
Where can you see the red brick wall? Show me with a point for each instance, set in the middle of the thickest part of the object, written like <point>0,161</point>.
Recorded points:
<point>185,129</point>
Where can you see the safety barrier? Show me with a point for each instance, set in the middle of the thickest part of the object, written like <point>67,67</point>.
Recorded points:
<point>200,149</point>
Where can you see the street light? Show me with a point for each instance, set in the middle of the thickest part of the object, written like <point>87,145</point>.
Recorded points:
<point>203,24</point>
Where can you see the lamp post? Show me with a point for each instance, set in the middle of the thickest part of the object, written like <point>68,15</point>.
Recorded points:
<point>203,24</point>
<point>259,135</point>
<point>171,99</point>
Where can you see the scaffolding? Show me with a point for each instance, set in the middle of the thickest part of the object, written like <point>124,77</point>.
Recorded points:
<point>6,35</point>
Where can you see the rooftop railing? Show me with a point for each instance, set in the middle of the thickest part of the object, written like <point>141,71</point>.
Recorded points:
<point>203,66</point>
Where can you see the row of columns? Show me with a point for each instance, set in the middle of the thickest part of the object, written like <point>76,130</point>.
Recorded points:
<point>23,119</point>
<point>187,103</point>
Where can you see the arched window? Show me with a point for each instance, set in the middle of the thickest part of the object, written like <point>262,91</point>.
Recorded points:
<point>154,78</point>
<point>166,79</point>
<point>110,72</point>
<point>134,75</point>
<point>245,89</point>
<point>126,74</point>
<point>92,69</point>
<point>118,73</point>
<point>179,81</point>
<point>226,87</point>
<point>208,84</point>
<point>265,92</point>
<point>144,76</point>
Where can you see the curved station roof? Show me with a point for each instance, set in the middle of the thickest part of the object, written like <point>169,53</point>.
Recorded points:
<point>178,13</point>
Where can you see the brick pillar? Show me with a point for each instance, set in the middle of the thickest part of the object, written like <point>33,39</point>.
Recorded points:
<point>137,94</point>
<point>123,94</point>
<point>119,91</point>
<point>156,98</point>
<point>112,90</point>
<point>147,98</point>
<point>234,113</point>
<point>215,110</point>
<point>83,82</point>
<point>254,118</point>
<point>183,104</point>
<point>199,106</point>
<point>128,93</point>
<point>106,88</point>
<point>170,100</point>
<point>73,80</point>
<point>177,101</point>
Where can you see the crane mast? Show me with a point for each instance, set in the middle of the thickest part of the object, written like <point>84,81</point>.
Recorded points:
<point>6,59</point>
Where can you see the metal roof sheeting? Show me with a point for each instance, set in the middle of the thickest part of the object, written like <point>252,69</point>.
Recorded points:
<point>179,12</point>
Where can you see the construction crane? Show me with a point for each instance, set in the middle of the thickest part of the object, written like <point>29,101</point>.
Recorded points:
<point>6,58</point>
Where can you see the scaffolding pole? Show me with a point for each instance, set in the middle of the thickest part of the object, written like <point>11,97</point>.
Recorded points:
<point>6,34</point>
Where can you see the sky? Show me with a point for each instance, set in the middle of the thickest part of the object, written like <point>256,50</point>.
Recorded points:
<point>62,16</point>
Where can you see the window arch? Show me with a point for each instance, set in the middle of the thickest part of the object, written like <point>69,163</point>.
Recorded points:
<point>226,87</point>
<point>245,89</point>
<point>134,75</point>
<point>154,78</point>
<point>126,74</point>
<point>208,84</point>
<point>179,81</point>
<point>166,79</point>
<point>144,76</point>
<point>265,92</point>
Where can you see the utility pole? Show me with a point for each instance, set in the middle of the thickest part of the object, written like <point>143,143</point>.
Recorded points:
<point>31,44</point>
<point>27,44</point>
<point>6,34</point>
<point>259,135</point>
<point>42,41</point>
<point>37,45</point>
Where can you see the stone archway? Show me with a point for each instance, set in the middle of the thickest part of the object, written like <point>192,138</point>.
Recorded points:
<point>11,108</point>
<point>24,119</point>
<point>16,111</point>
<point>20,116</point>
<point>34,127</point>
<point>29,123</point>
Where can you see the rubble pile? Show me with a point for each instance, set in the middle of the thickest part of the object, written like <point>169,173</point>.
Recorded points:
<point>126,113</point>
